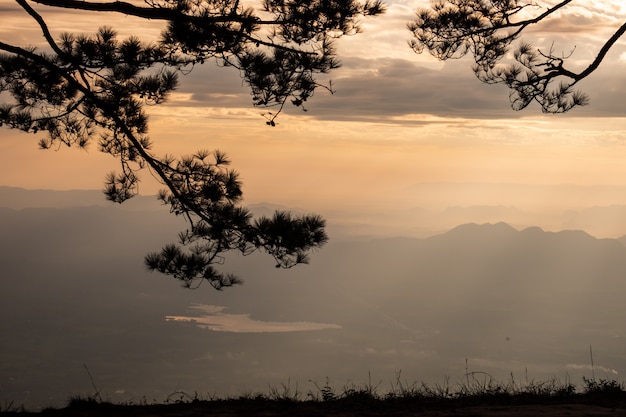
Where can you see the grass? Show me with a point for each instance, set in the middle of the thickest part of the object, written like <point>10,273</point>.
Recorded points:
<point>476,389</point>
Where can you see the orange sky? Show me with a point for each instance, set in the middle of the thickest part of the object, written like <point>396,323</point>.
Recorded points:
<point>397,119</point>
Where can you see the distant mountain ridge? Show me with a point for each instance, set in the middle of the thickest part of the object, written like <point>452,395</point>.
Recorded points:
<point>501,230</point>
<point>18,198</point>
<point>409,221</point>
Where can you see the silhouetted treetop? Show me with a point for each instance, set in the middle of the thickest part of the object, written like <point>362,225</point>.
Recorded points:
<point>487,30</point>
<point>85,88</point>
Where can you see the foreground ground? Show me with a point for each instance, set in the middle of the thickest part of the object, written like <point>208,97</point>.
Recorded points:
<point>366,408</point>
<point>475,399</point>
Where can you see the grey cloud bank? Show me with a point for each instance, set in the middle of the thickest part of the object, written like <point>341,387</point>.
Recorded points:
<point>381,78</point>
<point>377,89</point>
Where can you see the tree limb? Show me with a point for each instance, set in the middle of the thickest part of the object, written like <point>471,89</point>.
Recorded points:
<point>151,13</point>
<point>603,51</point>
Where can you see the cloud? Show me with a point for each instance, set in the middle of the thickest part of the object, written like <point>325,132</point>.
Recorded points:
<point>394,87</point>
<point>214,318</point>
<point>20,28</point>
<point>386,89</point>
<point>581,22</point>
<point>587,367</point>
<point>381,78</point>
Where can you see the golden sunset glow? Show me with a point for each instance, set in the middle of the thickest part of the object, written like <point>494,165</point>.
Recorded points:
<point>396,119</point>
<point>465,239</point>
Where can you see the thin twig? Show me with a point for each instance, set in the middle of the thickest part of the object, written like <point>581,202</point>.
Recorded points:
<point>93,383</point>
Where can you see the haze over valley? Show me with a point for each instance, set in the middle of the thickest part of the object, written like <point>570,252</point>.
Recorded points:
<point>481,294</point>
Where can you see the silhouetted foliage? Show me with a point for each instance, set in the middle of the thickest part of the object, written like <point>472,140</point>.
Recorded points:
<point>487,29</point>
<point>93,87</point>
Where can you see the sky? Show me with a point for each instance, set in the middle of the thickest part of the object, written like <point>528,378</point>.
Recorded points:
<point>396,120</point>
<point>406,146</point>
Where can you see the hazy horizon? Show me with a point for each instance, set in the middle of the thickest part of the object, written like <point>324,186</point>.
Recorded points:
<point>444,206</point>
